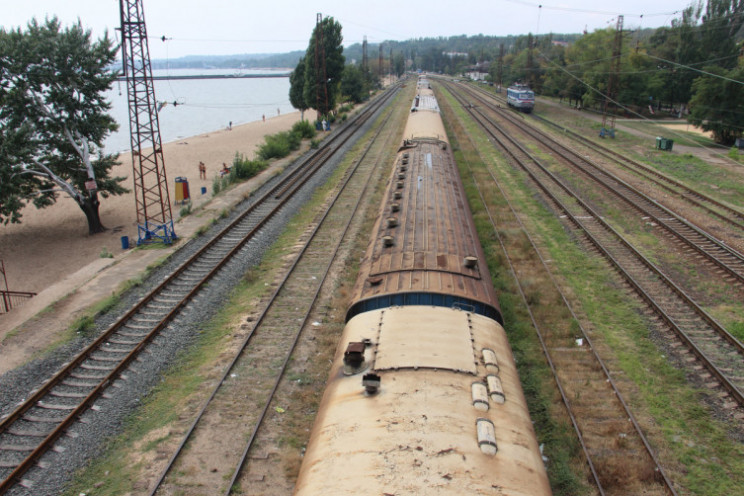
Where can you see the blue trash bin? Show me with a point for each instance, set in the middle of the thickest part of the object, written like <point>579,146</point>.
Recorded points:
<point>204,190</point>
<point>125,242</point>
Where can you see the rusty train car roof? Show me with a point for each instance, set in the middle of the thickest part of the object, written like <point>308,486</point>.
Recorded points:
<point>424,248</point>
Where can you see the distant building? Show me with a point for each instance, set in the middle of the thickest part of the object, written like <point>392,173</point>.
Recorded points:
<point>478,72</point>
<point>452,55</point>
<point>560,43</point>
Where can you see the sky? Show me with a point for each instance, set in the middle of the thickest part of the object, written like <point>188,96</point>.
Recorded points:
<point>224,27</point>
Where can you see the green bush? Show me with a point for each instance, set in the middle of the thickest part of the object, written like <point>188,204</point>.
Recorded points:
<point>304,129</point>
<point>733,153</point>
<point>314,143</point>
<point>186,209</point>
<point>275,146</point>
<point>279,145</point>
<point>294,139</point>
<point>243,169</point>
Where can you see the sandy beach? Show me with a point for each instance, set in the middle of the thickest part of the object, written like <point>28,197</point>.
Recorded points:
<point>54,242</point>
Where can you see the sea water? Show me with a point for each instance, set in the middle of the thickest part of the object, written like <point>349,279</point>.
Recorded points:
<point>197,106</point>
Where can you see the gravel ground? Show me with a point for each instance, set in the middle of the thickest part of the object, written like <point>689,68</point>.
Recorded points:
<point>87,437</point>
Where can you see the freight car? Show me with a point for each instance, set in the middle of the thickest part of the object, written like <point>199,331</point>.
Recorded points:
<point>521,97</point>
<point>423,395</point>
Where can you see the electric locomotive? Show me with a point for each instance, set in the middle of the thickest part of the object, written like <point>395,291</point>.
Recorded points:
<point>521,97</point>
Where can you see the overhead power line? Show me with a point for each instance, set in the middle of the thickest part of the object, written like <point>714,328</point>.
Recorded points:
<point>696,70</point>
<point>620,105</point>
<point>590,11</point>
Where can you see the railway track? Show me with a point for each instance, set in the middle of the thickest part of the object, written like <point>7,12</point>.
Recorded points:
<point>266,352</point>
<point>610,436</point>
<point>46,414</point>
<point>725,213</point>
<point>704,340</point>
<point>725,260</point>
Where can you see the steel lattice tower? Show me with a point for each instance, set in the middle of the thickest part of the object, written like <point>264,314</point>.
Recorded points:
<point>154,218</point>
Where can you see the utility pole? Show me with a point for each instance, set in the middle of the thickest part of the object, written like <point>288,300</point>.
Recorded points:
<point>390,64</point>
<point>154,217</point>
<point>530,62</point>
<point>500,73</point>
<point>379,63</point>
<point>612,83</point>
<point>365,61</point>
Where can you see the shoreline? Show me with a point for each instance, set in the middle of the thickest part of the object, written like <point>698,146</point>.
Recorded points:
<point>53,243</point>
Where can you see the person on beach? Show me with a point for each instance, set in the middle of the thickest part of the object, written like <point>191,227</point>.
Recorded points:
<point>229,126</point>
<point>224,170</point>
<point>264,117</point>
<point>202,170</point>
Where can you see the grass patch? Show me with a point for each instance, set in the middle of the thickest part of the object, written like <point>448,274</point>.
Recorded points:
<point>710,179</point>
<point>201,231</point>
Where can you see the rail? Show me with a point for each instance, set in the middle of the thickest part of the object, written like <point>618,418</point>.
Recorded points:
<point>321,244</point>
<point>615,393</point>
<point>139,326</point>
<point>725,380</point>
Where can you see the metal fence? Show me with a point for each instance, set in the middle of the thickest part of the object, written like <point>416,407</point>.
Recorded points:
<point>12,299</point>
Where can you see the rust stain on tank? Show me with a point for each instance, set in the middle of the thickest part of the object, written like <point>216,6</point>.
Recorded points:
<point>442,261</point>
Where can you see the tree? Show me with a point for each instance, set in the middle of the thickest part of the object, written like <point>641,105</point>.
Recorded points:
<point>297,87</point>
<point>722,22</point>
<point>319,94</point>
<point>717,101</point>
<point>353,84</point>
<point>399,64</point>
<point>718,104</point>
<point>53,119</point>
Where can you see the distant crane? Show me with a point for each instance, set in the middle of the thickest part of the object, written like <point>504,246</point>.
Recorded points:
<point>154,217</point>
